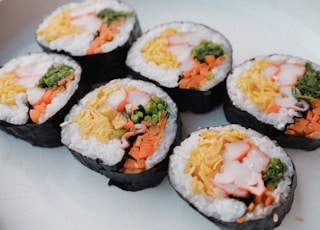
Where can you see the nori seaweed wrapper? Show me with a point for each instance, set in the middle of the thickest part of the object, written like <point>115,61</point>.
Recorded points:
<point>132,182</point>
<point>271,221</point>
<point>238,116</point>
<point>192,100</point>
<point>47,134</point>
<point>103,67</point>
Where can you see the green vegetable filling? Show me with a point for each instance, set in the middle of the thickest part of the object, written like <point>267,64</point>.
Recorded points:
<point>207,48</point>
<point>150,112</point>
<point>109,15</point>
<point>54,75</point>
<point>308,85</point>
<point>274,173</point>
<point>119,132</point>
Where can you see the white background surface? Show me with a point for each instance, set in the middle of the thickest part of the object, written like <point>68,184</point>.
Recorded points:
<point>44,188</point>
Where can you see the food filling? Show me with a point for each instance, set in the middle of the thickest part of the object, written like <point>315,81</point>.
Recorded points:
<point>195,59</point>
<point>233,166</point>
<point>37,88</point>
<point>135,117</point>
<point>104,24</point>
<point>283,87</point>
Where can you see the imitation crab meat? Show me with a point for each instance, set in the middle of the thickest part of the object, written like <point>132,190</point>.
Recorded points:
<point>241,170</point>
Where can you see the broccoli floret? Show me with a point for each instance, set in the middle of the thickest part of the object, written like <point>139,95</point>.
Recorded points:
<point>275,172</point>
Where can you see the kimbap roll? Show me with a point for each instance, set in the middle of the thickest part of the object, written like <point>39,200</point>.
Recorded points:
<point>236,177</point>
<point>95,33</point>
<point>124,130</point>
<point>279,96</point>
<point>190,61</point>
<point>36,92</point>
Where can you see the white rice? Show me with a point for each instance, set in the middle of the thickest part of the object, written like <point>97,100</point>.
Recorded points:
<point>111,153</point>
<point>226,209</point>
<point>240,100</point>
<point>39,63</point>
<point>169,78</point>
<point>78,45</point>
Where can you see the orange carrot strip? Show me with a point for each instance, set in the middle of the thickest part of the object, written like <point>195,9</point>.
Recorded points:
<point>34,115</point>
<point>240,220</point>
<point>316,103</point>
<point>41,105</point>
<point>199,72</point>
<point>274,108</point>
<point>122,104</point>
<point>134,164</point>
<point>308,125</point>
<point>204,70</point>
<point>128,125</point>
<point>316,110</point>
<point>251,207</point>
<point>36,112</point>
<point>219,60</point>
<point>257,199</point>
<point>106,33</point>
<point>186,74</point>
<point>196,66</point>
<point>309,116</point>
<point>299,125</point>
<point>48,96</point>
<point>146,144</point>
<point>315,118</point>
<point>268,201</point>
<point>210,60</point>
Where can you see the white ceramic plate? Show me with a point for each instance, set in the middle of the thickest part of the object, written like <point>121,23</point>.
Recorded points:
<point>48,189</point>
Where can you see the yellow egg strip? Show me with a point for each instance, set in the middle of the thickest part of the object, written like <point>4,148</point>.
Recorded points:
<point>97,119</point>
<point>9,89</point>
<point>205,161</point>
<point>156,51</point>
<point>259,89</point>
<point>59,26</point>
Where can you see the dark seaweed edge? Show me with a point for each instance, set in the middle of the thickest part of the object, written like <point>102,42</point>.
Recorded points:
<point>259,224</point>
<point>266,223</point>
<point>104,67</point>
<point>192,100</point>
<point>47,134</point>
<point>238,116</point>
<point>133,182</point>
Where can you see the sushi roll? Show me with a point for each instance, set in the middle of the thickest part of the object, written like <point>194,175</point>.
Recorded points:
<point>124,130</point>
<point>96,33</point>
<point>279,96</point>
<point>190,61</point>
<point>36,92</point>
<point>235,177</point>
